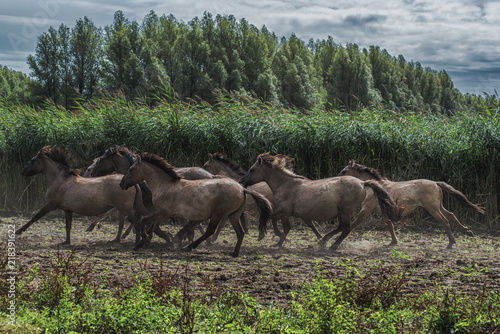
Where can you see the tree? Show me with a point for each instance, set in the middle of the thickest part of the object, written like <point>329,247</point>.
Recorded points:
<point>45,65</point>
<point>86,50</point>
<point>122,67</point>
<point>292,65</point>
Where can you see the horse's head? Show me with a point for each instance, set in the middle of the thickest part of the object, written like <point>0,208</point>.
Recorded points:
<point>219,164</point>
<point>349,169</point>
<point>35,166</point>
<point>133,176</point>
<point>115,159</point>
<point>262,167</point>
<point>56,154</point>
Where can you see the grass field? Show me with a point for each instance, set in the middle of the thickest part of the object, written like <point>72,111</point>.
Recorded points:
<point>95,286</point>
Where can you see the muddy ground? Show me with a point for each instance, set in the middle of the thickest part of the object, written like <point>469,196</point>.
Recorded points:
<point>265,272</point>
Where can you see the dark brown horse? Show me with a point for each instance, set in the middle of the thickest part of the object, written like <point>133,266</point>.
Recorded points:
<point>220,164</point>
<point>195,200</point>
<point>72,193</point>
<point>319,200</point>
<point>412,195</point>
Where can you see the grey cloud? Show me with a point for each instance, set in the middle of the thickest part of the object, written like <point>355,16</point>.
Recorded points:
<point>359,20</point>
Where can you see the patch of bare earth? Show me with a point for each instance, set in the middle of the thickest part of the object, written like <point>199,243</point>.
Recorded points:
<point>262,271</point>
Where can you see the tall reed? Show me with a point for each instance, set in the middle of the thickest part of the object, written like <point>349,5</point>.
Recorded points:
<point>461,149</point>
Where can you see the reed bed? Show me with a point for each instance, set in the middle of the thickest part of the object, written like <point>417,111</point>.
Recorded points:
<point>461,149</point>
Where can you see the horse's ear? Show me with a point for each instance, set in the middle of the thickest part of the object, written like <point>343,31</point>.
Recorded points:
<point>259,160</point>
<point>352,162</point>
<point>210,156</point>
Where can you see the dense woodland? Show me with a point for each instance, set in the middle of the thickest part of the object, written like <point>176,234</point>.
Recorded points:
<point>200,59</point>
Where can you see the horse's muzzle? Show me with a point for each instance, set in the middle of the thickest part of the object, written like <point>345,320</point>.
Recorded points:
<point>123,185</point>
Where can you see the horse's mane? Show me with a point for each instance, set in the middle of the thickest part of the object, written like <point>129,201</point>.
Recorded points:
<point>220,157</point>
<point>120,151</point>
<point>63,158</point>
<point>161,163</point>
<point>368,170</point>
<point>280,161</point>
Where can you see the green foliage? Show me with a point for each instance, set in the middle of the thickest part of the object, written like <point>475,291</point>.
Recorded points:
<point>451,149</point>
<point>65,296</point>
<point>212,54</point>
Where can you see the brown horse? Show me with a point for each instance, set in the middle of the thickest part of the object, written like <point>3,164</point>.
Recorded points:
<point>195,200</point>
<point>319,200</point>
<point>220,164</point>
<point>118,159</point>
<point>72,193</point>
<point>412,195</point>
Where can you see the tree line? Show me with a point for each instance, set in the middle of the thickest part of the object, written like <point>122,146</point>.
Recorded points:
<point>192,60</point>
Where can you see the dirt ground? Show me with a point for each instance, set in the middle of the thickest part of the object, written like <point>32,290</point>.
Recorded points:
<point>263,271</point>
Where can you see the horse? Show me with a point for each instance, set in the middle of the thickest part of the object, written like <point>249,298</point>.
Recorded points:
<point>72,193</point>
<point>220,164</point>
<point>118,159</point>
<point>412,195</point>
<point>195,200</point>
<point>319,200</point>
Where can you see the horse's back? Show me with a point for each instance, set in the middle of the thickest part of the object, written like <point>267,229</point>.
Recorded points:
<point>96,195</point>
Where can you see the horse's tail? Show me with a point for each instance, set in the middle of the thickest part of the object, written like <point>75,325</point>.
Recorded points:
<point>143,203</point>
<point>387,205</point>
<point>460,197</point>
<point>265,208</point>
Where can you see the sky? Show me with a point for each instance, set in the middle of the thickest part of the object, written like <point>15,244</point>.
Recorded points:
<point>461,37</point>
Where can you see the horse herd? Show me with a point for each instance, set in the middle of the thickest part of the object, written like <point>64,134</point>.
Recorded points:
<point>146,190</point>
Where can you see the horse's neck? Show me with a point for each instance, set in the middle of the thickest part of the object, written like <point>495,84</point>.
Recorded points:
<point>229,172</point>
<point>120,164</point>
<point>53,172</point>
<point>278,180</point>
<point>366,177</point>
<point>155,177</point>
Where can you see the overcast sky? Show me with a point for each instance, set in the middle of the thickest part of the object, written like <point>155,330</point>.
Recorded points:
<point>461,37</point>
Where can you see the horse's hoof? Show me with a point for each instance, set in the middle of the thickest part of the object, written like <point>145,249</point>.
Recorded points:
<point>187,249</point>
<point>392,244</point>
<point>234,254</point>
<point>470,233</point>
<point>66,242</point>
<point>261,236</point>
<point>19,231</point>
<point>90,229</point>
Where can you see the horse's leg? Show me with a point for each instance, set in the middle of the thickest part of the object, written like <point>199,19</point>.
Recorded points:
<point>243,221</point>
<point>127,231</point>
<point>390,227</point>
<point>440,217</point>
<point>328,236</point>
<point>217,232</point>
<point>179,237</point>
<point>69,218</point>
<point>240,233</point>
<point>453,219</point>
<point>212,226</point>
<point>121,223</point>
<point>313,227</point>
<point>43,211</point>
<point>278,233</point>
<point>345,227</point>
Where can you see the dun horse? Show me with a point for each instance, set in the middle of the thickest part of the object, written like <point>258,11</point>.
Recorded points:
<point>119,159</point>
<point>219,164</point>
<point>319,200</point>
<point>412,195</point>
<point>72,193</point>
<point>195,200</point>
